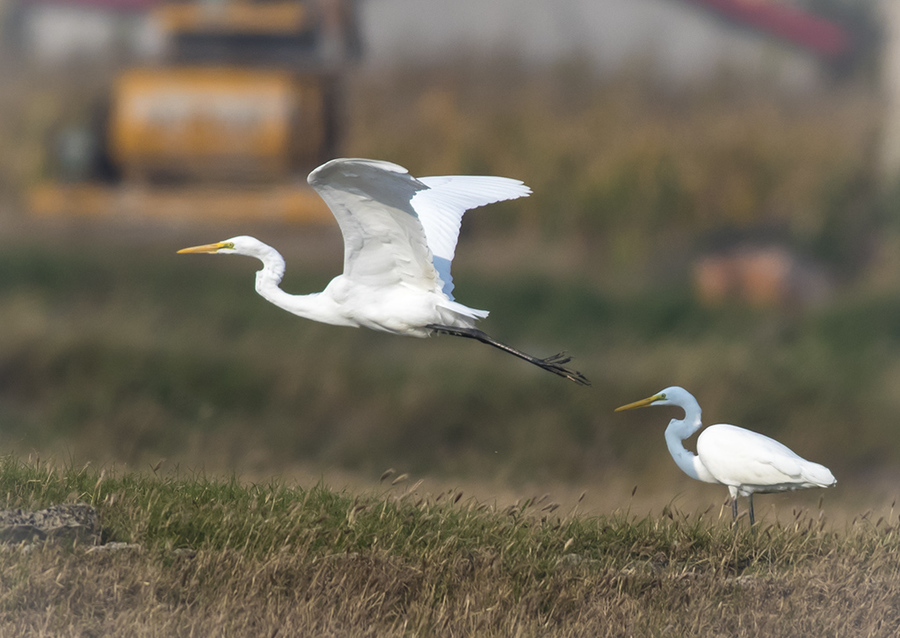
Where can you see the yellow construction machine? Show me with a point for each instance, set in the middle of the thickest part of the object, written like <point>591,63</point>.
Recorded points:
<point>243,106</point>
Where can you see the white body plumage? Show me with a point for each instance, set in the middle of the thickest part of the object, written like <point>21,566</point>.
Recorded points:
<point>749,462</point>
<point>745,461</point>
<point>400,235</point>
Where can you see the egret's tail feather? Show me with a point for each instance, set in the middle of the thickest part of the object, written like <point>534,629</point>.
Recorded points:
<point>457,309</point>
<point>818,475</point>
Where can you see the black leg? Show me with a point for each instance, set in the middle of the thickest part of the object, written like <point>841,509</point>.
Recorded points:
<point>752,520</point>
<point>554,364</point>
<point>734,509</point>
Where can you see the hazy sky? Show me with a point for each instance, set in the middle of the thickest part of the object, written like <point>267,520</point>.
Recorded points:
<point>682,40</point>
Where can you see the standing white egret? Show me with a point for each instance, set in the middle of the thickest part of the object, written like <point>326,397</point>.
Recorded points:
<point>745,461</point>
<point>400,236</point>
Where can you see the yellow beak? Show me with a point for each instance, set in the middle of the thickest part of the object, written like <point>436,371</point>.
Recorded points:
<point>205,248</point>
<point>643,403</point>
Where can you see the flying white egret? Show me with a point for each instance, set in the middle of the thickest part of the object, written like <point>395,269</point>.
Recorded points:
<point>400,236</point>
<point>744,461</point>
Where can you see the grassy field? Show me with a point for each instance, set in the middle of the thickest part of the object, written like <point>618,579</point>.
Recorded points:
<point>222,557</point>
<point>117,352</point>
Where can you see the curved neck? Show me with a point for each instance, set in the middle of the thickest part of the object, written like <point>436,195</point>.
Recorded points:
<point>678,431</point>
<point>311,306</point>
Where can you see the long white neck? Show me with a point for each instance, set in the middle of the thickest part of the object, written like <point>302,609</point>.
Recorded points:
<point>313,306</point>
<point>678,431</point>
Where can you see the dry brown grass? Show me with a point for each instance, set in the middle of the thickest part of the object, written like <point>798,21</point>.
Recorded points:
<point>214,593</point>
<point>220,558</point>
<point>111,352</point>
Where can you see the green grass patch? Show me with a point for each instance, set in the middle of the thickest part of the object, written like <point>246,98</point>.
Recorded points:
<point>233,558</point>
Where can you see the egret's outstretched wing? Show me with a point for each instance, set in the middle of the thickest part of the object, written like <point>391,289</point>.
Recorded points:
<point>384,242</point>
<point>441,206</point>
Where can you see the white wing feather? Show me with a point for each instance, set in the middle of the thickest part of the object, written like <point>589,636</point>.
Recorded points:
<point>384,242</point>
<point>736,456</point>
<point>441,206</point>
<point>399,228</point>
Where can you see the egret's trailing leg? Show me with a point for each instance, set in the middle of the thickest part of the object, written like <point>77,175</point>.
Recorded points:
<point>400,236</point>
<point>554,364</point>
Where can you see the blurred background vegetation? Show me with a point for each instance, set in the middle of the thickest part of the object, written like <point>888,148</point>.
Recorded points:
<point>732,237</point>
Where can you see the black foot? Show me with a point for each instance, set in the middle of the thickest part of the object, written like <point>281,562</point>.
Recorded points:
<point>554,364</point>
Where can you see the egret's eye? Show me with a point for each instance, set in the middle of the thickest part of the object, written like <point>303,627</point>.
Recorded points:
<point>400,237</point>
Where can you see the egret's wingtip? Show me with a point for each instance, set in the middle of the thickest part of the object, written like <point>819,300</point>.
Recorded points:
<point>322,174</point>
